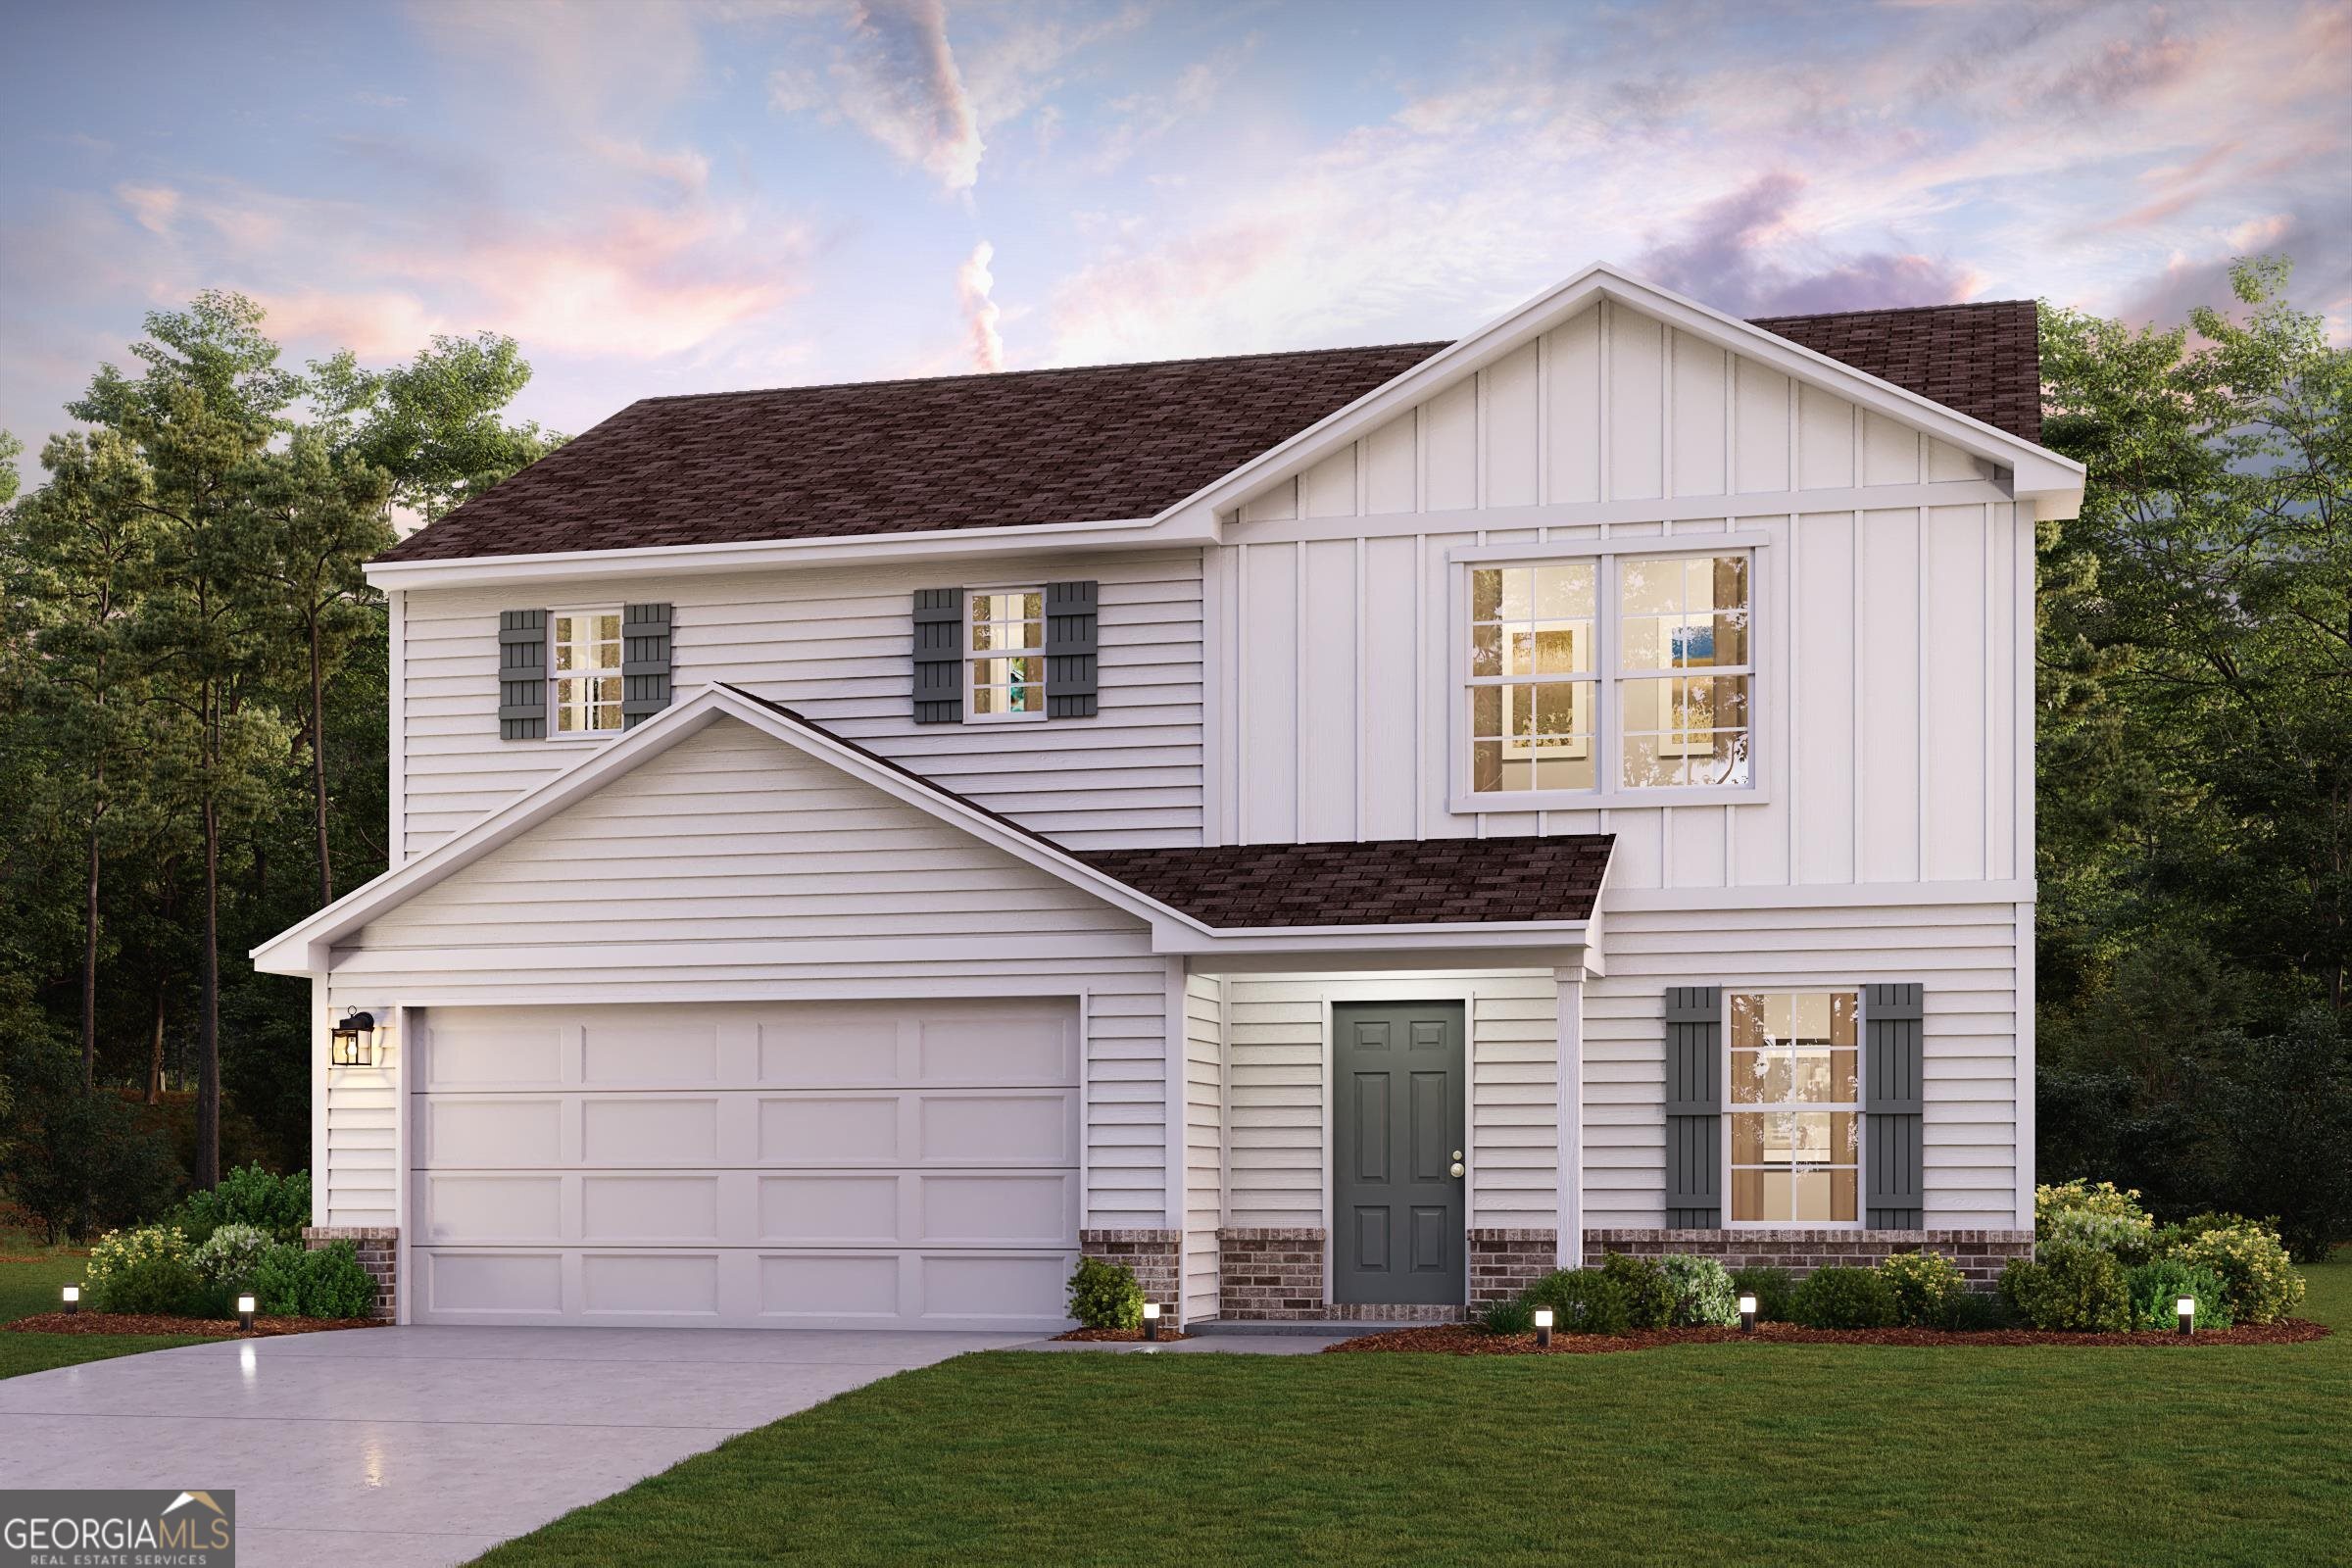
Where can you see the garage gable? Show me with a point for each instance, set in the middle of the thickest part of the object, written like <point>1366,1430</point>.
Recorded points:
<point>732,837</point>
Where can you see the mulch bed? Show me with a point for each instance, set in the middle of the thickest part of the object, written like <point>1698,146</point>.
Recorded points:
<point>1462,1339</point>
<point>210,1327</point>
<point>1167,1335</point>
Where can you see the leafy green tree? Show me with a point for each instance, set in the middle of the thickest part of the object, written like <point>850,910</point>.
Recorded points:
<point>11,449</point>
<point>435,424</point>
<point>78,559</point>
<point>209,400</point>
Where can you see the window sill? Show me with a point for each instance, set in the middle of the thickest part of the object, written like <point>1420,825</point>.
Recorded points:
<point>1617,800</point>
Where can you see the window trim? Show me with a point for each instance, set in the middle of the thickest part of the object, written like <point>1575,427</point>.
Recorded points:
<point>966,657</point>
<point>1861,1109</point>
<point>555,677</point>
<point>1462,799</point>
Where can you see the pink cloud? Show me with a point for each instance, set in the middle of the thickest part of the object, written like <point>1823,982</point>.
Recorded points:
<point>973,284</point>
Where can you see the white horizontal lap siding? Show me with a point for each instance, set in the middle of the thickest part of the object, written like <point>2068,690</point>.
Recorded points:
<point>1964,956</point>
<point>358,1169</point>
<point>1888,638</point>
<point>1277,1089</point>
<point>732,867</point>
<point>837,645</point>
<point>1203,1141</point>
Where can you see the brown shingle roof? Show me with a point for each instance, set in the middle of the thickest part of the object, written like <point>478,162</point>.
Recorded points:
<point>1085,445</point>
<point>1983,360</point>
<point>1391,882</point>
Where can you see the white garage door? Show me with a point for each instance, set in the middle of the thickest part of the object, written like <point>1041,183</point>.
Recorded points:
<point>810,1166</point>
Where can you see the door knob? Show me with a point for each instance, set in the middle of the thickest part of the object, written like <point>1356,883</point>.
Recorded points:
<point>1456,1168</point>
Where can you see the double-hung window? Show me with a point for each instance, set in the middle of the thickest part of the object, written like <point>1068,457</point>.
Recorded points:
<point>586,645</point>
<point>1619,673</point>
<point>1793,1107</point>
<point>1005,653</point>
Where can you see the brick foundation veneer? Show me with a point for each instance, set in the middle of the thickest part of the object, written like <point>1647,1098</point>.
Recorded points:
<point>378,1248</point>
<point>1505,1262</point>
<point>1980,1256</point>
<point>1270,1274</point>
<point>1156,1257</point>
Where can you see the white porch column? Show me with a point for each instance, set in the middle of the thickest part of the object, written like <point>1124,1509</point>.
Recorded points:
<point>1571,1176</point>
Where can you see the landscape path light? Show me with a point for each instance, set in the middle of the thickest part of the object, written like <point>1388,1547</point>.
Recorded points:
<point>73,1299</point>
<point>245,1304</point>
<point>1747,1314</point>
<point>2187,1307</point>
<point>1544,1326</point>
<point>1150,1320</point>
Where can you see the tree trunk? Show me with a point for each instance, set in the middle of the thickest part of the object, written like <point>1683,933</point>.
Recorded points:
<point>89,968</point>
<point>327,873</point>
<point>155,1051</point>
<point>208,1017</point>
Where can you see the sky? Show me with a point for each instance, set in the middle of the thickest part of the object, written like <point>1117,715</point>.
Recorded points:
<point>715,194</point>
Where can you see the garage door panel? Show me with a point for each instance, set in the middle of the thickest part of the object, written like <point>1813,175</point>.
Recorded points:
<point>645,1052</point>
<point>649,1209</point>
<point>643,1284</point>
<point>648,1131</point>
<point>905,1164</point>
<point>490,1206</point>
<point>981,1129</point>
<point>492,1132</point>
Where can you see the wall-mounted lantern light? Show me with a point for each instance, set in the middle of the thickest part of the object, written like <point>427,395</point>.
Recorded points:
<point>1543,1328</point>
<point>2187,1308</point>
<point>1747,1314</point>
<point>356,1042</point>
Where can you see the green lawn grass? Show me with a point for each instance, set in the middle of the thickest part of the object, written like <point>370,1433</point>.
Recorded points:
<point>27,1289</point>
<point>1738,1453</point>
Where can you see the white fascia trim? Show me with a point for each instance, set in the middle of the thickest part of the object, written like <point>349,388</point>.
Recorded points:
<point>2039,474</point>
<point>1448,936</point>
<point>1818,896</point>
<point>307,948</point>
<point>943,544</point>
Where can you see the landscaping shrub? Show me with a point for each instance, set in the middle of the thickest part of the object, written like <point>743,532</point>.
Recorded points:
<point>1843,1299</point>
<point>1649,1292</point>
<point>1703,1294</point>
<point>1513,1316</point>
<point>76,1164</point>
<point>278,1205</point>
<point>2100,1216</point>
<point>228,1256</point>
<point>1924,1284</point>
<point>291,1282</point>
<point>2074,1288</point>
<point>2157,1285</point>
<point>1968,1313</point>
<point>1104,1294</point>
<point>1583,1300</point>
<point>1773,1288</point>
<point>2248,1257</point>
<point>144,1270</point>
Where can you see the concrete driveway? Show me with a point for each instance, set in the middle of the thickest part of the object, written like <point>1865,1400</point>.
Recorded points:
<point>426,1445</point>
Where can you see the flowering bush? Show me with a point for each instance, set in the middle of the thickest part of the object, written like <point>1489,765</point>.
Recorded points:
<point>1703,1293</point>
<point>118,1250</point>
<point>1923,1285</point>
<point>228,1256</point>
<point>2247,1256</point>
<point>146,1270</point>
<point>2100,1216</point>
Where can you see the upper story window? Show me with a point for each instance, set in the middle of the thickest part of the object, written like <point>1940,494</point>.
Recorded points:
<point>1004,659</point>
<point>1617,673</point>
<point>585,650</point>
<point>1795,1107</point>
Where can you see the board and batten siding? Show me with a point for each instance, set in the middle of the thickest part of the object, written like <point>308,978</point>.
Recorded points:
<point>1894,658</point>
<point>1277,1164</point>
<point>837,645</point>
<point>1965,956</point>
<point>1203,1141</point>
<point>734,868</point>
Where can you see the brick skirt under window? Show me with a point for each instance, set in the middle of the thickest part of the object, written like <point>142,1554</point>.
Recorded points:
<point>1980,1256</point>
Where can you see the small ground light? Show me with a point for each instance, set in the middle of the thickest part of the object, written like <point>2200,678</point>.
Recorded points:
<point>1542,1325</point>
<point>245,1313</point>
<point>72,1298</point>
<point>1150,1320</point>
<point>1747,1314</point>
<point>2187,1307</point>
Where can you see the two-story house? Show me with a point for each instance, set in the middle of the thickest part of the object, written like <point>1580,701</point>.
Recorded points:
<point>1343,832</point>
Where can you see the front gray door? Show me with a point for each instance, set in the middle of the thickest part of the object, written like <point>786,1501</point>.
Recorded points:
<point>1397,1148</point>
